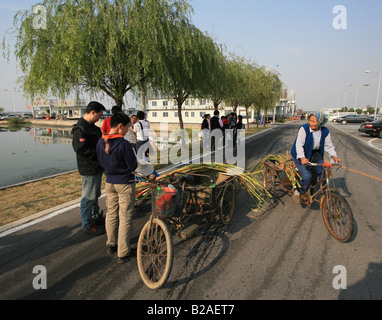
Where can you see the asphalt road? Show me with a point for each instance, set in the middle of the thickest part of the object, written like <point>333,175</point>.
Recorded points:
<point>282,253</point>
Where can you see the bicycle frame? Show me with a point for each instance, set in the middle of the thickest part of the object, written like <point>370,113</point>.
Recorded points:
<point>336,212</point>
<point>324,184</point>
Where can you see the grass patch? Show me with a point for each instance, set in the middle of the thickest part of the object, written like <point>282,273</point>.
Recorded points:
<point>22,201</point>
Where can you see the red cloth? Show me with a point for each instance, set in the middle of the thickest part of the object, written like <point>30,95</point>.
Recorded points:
<point>106,126</point>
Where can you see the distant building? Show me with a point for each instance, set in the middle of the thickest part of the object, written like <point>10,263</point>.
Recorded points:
<point>57,108</point>
<point>166,110</point>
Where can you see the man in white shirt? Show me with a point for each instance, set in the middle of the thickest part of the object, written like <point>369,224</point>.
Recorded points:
<point>142,129</point>
<point>311,142</point>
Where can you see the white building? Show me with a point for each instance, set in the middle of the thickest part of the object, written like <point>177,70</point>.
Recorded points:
<point>166,110</point>
<point>193,110</point>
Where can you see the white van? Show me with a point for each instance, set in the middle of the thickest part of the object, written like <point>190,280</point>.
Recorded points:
<point>333,116</point>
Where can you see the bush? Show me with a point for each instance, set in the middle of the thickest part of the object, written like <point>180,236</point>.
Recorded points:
<point>15,121</point>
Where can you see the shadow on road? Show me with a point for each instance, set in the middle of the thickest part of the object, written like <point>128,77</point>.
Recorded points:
<point>197,255</point>
<point>369,288</point>
<point>59,289</point>
<point>18,249</point>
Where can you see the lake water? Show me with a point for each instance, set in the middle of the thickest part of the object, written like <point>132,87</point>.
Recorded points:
<point>31,153</point>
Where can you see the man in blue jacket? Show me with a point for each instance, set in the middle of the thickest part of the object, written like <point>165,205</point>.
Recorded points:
<point>117,157</point>
<point>311,142</point>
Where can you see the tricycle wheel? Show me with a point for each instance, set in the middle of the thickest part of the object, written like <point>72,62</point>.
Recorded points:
<point>337,216</point>
<point>155,253</point>
<point>269,182</point>
<point>227,203</point>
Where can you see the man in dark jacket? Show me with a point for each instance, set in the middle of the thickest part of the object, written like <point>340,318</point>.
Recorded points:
<point>85,138</point>
<point>216,124</point>
<point>116,155</point>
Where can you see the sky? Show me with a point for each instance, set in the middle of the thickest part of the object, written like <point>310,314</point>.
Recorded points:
<point>322,54</point>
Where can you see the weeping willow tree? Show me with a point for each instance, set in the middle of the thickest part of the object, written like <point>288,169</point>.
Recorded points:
<point>220,80</point>
<point>236,69</point>
<point>98,45</point>
<point>187,66</point>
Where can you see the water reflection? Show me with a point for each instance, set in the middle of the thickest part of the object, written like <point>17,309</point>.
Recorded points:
<point>46,136</point>
<point>30,153</point>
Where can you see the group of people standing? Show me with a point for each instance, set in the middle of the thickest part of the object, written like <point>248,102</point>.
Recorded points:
<point>107,151</point>
<point>232,122</point>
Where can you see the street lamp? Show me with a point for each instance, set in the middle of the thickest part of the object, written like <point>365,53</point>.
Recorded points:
<point>275,109</point>
<point>379,89</point>
<point>13,99</point>
<point>346,95</point>
<point>338,100</point>
<point>356,98</point>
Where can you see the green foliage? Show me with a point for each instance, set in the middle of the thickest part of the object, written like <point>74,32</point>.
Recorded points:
<point>188,65</point>
<point>95,45</point>
<point>114,46</point>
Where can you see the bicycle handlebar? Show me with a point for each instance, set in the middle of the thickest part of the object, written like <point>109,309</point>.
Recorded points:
<point>325,164</point>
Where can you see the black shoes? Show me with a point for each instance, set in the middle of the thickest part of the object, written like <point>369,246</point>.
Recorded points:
<point>111,249</point>
<point>133,253</point>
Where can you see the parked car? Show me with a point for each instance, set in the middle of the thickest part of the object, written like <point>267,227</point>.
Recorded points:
<point>353,119</point>
<point>8,116</point>
<point>374,129</point>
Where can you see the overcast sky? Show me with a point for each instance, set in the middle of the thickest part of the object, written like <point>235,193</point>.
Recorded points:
<point>318,53</point>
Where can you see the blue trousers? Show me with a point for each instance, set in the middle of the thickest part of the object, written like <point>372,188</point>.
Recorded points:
<point>91,191</point>
<point>307,175</point>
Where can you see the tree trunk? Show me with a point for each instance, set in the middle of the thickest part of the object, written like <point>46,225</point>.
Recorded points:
<point>118,102</point>
<point>181,124</point>
<point>265,117</point>
<point>142,88</point>
<point>258,118</point>
<point>216,105</point>
<point>246,112</point>
<point>235,107</point>
<point>179,102</point>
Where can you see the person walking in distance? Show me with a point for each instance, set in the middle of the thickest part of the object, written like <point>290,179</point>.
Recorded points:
<point>85,138</point>
<point>142,128</point>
